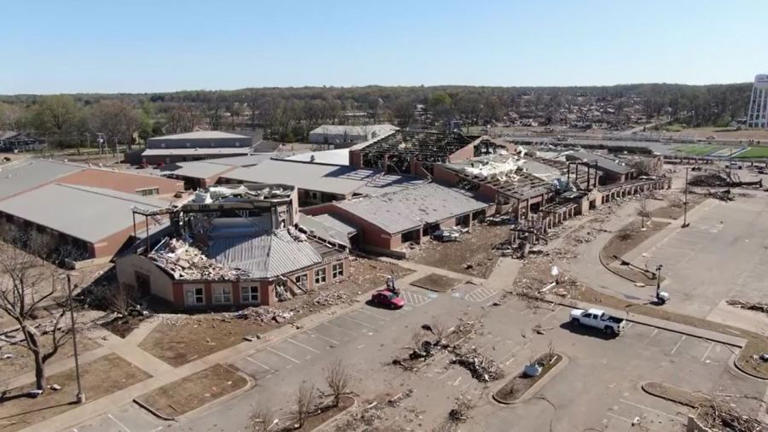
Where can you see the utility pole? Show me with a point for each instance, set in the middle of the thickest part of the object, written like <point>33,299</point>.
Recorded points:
<point>80,395</point>
<point>658,280</point>
<point>685,202</point>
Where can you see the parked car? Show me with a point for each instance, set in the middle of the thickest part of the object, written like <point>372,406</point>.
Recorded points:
<point>388,299</point>
<point>446,235</point>
<point>598,319</point>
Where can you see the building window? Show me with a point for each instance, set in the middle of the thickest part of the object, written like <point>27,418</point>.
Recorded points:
<point>222,295</point>
<point>337,270</point>
<point>148,191</point>
<point>194,296</point>
<point>320,276</point>
<point>249,294</point>
<point>301,280</point>
<point>314,196</point>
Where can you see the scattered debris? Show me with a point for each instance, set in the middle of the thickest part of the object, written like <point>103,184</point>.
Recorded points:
<point>54,387</point>
<point>460,412</point>
<point>264,314</point>
<point>742,304</point>
<point>185,261</point>
<point>482,368</point>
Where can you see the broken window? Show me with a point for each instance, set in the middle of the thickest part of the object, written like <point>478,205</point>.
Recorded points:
<point>222,295</point>
<point>249,294</point>
<point>337,270</point>
<point>320,276</point>
<point>195,296</point>
<point>301,280</point>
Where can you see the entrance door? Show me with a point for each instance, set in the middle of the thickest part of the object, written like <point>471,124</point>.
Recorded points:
<point>143,284</point>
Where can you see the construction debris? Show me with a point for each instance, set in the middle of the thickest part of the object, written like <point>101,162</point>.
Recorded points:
<point>724,416</point>
<point>482,368</point>
<point>742,304</point>
<point>331,298</point>
<point>185,261</point>
<point>264,314</point>
<point>711,179</point>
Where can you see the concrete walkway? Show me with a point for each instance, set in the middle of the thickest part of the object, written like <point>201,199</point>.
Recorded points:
<point>425,269</point>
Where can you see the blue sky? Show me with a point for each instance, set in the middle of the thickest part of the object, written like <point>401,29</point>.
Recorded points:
<point>147,46</point>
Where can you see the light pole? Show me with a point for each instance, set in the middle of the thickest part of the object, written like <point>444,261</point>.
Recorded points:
<point>685,202</point>
<point>80,395</point>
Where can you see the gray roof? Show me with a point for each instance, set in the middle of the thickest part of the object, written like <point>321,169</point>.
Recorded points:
<point>412,207</point>
<point>331,157</point>
<point>322,178</point>
<point>363,130</point>
<point>199,169</point>
<point>87,213</point>
<point>201,135</point>
<point>603,162</point>
<point>30,174</point>
<point>196,151</point>
<point>264,256</point>
<point>328,227</point>
<point>241,161</point>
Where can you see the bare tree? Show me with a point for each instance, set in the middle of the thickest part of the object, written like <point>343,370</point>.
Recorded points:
<point>23,291</point>
<point>305,401</point>
<point>338,378</point>
<point>643,211</point>
<point>262,419</point>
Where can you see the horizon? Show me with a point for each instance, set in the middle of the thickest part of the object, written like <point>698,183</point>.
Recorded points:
<point>143,47</point>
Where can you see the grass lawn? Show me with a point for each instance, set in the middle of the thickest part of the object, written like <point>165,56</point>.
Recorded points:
<point>193,391</point>
<point>100,377</point>
<point>753,152</point>
<point>697,150</point>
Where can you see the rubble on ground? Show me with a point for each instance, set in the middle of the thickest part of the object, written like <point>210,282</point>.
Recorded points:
<point>711,179</point>
<point>331,298</point>
<point>742,304</point>
<point>264,314</point>
<point>723,415</point>
<point>481,367</point>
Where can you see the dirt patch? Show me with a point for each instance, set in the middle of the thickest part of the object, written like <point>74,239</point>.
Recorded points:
<point>474,255</point>
<point>21,361</point>
<point>320,417</point>
<point>515,388</point>
<point>436,282</point>
<point>180,339</point>
<point>123,326</point>
<point>675,211</point>
<point>629,237</point>
<point>193,391</point>
<point>100,377</point>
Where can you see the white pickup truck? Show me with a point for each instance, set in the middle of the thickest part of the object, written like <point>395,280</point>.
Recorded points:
<point>597,318</point>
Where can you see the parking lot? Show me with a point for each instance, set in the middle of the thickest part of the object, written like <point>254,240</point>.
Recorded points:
<point>599,388</point>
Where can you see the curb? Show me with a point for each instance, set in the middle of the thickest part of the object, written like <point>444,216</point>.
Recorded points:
<point>735,363</point>
<point>684,329</point>
<point>152,411</point>
<point>535,387</point>
<point>333,419</point>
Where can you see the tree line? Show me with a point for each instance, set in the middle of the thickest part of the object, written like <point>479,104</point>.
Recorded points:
<point>288,114</point>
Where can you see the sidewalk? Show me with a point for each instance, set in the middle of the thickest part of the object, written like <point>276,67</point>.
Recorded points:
<point>425,270</point>
<point>167,375</point>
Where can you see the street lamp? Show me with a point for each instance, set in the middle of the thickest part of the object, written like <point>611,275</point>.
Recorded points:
<point>685,202</point>
<point>80,395</point>
<point>661,296</point>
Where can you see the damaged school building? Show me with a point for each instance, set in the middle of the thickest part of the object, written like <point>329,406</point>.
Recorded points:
<point>234,245</point>
<point>83,209</point>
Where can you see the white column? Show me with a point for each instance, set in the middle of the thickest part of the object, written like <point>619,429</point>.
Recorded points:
<point>764,109</point>
<point>750,111</point>
<point>760,102</point>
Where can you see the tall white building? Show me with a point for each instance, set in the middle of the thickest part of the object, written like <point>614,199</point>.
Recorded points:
<point>757,114</point>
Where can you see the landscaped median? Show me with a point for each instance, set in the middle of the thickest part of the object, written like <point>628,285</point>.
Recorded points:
<point>100,377</point>
<point>192,392</point>
<point>524,385</point>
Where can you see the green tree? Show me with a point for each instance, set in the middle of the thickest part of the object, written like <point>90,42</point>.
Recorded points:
<point>58,118</point>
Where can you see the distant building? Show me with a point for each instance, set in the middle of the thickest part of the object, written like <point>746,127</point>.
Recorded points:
<point>12,141</point>
<point>344,136</point>
<point>757,114</point>
<point>195,146</point>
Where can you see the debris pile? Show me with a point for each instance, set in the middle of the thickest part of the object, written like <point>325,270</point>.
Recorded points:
<point>184,261</point>
<point>331,298</point>
<point>482,368</point>
<point>720,415</point>
<point>742,304</point>
<point>425,347</point>
<point>264,314</point>
<point>711,179</point>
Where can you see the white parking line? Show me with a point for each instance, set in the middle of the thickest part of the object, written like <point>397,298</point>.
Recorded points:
<point>652,335</point>
<point>619,417</point>
<point>283,355</point>
<point>650,409</point>
<point>359,322</point>
<point>323,337</point>
<point>706,353</point>
<point>259,363</point>
<point>118,423</point>
<point>374,314</point>
<point>557,309</point>
<point>678,345</point>
<point>340,328</point>
<point>455,383</point>
<point>303,346</point>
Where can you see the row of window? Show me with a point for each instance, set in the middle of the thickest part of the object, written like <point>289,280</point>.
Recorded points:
<point>250,293</point>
